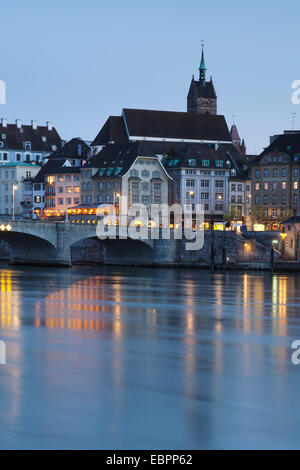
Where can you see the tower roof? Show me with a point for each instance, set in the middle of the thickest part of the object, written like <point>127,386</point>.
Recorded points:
<point>234,133</point>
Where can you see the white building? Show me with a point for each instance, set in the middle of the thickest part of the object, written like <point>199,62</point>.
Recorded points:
<point>16,188</point>
<point>27,143</point>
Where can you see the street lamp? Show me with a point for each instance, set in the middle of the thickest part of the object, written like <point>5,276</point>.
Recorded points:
<point>14,189</point>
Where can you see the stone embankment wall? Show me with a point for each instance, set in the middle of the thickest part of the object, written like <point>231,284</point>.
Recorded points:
<point>217,247</point>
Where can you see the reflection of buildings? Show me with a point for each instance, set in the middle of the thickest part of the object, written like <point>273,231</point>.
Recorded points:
<point>78,308</point>
<point>9,302</point>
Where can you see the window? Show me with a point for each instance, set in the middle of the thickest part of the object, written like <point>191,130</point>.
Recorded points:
<point>60,201</point>
<point>192,162</point>
<point>240,199</point>
<point>145,173</point>
<point>266,173</point>
<point>100,185</point>
<point>204,183</point>
<point>135,185</point>
<point>219,207</point>
<point>296,172</point>
<point>60,189</point>
<point>190,183</point>
<point>219,183</point>
<point>157,199</point>
<point>68,178</point>
<point>283,185</point>
<point>233,187</point>
<point>219,196</point>
<point>205,162</point>
<point>28,174</point>
<point>266,186</point>
<point>295,199</point>
<point>69,201</point>
<point>60,178</point>
<point>257,186</point>
<point>76,189</point>
<point>256,199</point>
<point>204,195</point>
<point>5,156</point>
<point>69,189</point>
<point>233,199</point>
<point>145,186</point>
<point>206,207</point>
<point>37,199</point>
<point>283,172</point>
<point>274,184</point>
<point>256,173</point>
<point>37,187</point>
<point>145,199</point>
<point>157,186</point>
<point>295,185</point>
<point>135,198</point>
<point>155,174</point>
<point>274,200</point>
<point>275,172</point>
<point>76,200</point>
<point>266,200</point>
<point>240,187</point>
<point>18,157</point>
<point>190,195</point>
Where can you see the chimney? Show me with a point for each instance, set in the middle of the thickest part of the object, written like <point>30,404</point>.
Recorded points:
<point>34,125</point>
<point>4,122</point>
<point>49,125</point>
<point>18,123</point>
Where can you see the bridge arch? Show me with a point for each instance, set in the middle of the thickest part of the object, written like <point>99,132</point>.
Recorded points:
<point>26,248</point>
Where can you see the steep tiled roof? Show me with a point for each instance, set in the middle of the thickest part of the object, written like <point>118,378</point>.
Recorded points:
<point>112,131</point>
<point>74,148</point>
<point>42,139</point>
<point>175,125</point>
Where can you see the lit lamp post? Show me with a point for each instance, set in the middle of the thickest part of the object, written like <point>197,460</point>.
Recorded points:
<point>14,189</point>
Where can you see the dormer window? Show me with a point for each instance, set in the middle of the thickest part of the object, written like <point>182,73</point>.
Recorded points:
<point>27,146</point>
<point>233,172</point>
<point>205,162</point>
<point>219,163</point>
<point>192,162</point>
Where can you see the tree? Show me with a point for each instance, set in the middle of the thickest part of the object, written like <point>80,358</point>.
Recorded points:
<point>256,214</point>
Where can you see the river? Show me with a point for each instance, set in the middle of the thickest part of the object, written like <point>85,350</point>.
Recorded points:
<point>141,358</point>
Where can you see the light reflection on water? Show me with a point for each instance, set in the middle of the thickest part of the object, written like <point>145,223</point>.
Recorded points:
<point>203,358</point>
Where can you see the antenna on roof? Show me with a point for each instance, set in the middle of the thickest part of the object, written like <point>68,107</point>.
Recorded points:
<point>293,120</point>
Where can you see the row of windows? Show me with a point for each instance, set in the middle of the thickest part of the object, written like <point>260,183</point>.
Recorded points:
<point>145,173</point>
<point>68,201</point>
<point>275,172</point>
<point>274,199</point>
<point>204,183</point>
<point>144,186</point>
<point>266,186</point>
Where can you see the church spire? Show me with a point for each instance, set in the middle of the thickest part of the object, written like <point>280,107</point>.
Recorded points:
<point>202,68</point>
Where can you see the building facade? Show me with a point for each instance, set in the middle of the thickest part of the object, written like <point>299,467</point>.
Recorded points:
<point>275,182</point>
<point>16,195</point>
<point>27,143</point>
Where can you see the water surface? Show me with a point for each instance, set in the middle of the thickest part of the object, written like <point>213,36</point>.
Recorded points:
<point>120,358</point>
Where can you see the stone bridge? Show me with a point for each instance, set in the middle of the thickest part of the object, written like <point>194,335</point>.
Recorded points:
<point>48,243</point>
<point>62,243</point>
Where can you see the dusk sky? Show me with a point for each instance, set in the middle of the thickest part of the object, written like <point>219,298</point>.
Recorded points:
<point>77,62</point>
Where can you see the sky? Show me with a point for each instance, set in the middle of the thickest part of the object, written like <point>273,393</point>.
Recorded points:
<point>76,62</point>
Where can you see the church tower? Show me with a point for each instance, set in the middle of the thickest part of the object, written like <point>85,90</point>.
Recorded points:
<point>202,97</point>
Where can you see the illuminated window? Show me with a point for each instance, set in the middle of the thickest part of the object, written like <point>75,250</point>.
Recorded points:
<point>295,184</point>
<point>283,185</point>
<point>50,179</point>
<point>266,186</point>
<point>257,186</point>
<point>76,189</point>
